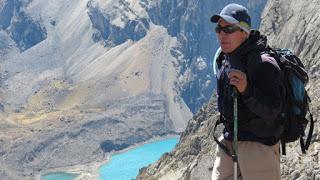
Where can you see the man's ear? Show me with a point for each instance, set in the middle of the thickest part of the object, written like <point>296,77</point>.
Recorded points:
<point>248,34</point>
<point>245,35</point>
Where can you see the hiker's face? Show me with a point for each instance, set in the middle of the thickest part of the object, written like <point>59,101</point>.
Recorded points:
<point>230,41</point>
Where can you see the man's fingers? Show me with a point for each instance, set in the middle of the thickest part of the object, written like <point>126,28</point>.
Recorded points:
<point>237,74</point>
<point>238,79</point>
<point>234,82</point>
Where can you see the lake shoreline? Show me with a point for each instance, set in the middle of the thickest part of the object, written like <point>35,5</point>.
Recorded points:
<point>91,170</point>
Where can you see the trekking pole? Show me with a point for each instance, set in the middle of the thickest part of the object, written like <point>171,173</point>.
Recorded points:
<point>235,132</point>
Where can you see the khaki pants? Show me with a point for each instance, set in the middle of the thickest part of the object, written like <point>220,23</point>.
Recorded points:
<point>256,161</point>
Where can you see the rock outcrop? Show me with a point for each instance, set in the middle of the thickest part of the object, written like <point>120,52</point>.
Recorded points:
<point>292,24</point>
<point>24,31</point>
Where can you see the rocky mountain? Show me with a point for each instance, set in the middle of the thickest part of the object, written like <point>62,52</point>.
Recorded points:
<point>92,53</point>
<point>33,32</point>
<point>99,80</point>
<point>88,78</point>
<point>21,28</point>
<point>292,24</point>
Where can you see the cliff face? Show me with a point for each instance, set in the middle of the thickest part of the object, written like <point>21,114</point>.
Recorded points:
<point>291,24</point>
<point>24,31</point>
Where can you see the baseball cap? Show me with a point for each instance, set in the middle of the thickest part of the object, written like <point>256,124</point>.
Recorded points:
<point>234,14</point>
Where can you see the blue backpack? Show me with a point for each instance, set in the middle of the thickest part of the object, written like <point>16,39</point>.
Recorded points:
<point>294,116</point>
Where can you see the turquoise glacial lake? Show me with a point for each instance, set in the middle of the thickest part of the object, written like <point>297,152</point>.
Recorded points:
<point>59,176</point>
<point>125,166</point>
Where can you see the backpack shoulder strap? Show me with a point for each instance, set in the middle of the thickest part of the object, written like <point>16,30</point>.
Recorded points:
<point>219,59</point>
<point>305,146</point>
<point>271,56</point>
<point>221,145</point>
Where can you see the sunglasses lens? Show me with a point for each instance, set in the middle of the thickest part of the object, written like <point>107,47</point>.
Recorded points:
<point>227,29</point>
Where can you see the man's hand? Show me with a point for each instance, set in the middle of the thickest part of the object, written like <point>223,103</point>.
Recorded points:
<point>238,79</point>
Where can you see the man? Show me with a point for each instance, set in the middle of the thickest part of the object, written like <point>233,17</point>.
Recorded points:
<point>255,75</point>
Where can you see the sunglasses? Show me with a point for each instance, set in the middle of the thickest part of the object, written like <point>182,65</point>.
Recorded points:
<point>227,29</point>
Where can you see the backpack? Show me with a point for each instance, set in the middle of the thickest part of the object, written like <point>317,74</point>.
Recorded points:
<point>294,115</point>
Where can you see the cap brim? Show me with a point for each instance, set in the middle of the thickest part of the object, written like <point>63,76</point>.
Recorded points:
<point>215,18</point>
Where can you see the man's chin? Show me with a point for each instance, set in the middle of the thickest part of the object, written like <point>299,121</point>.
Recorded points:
<point>226,49</point>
